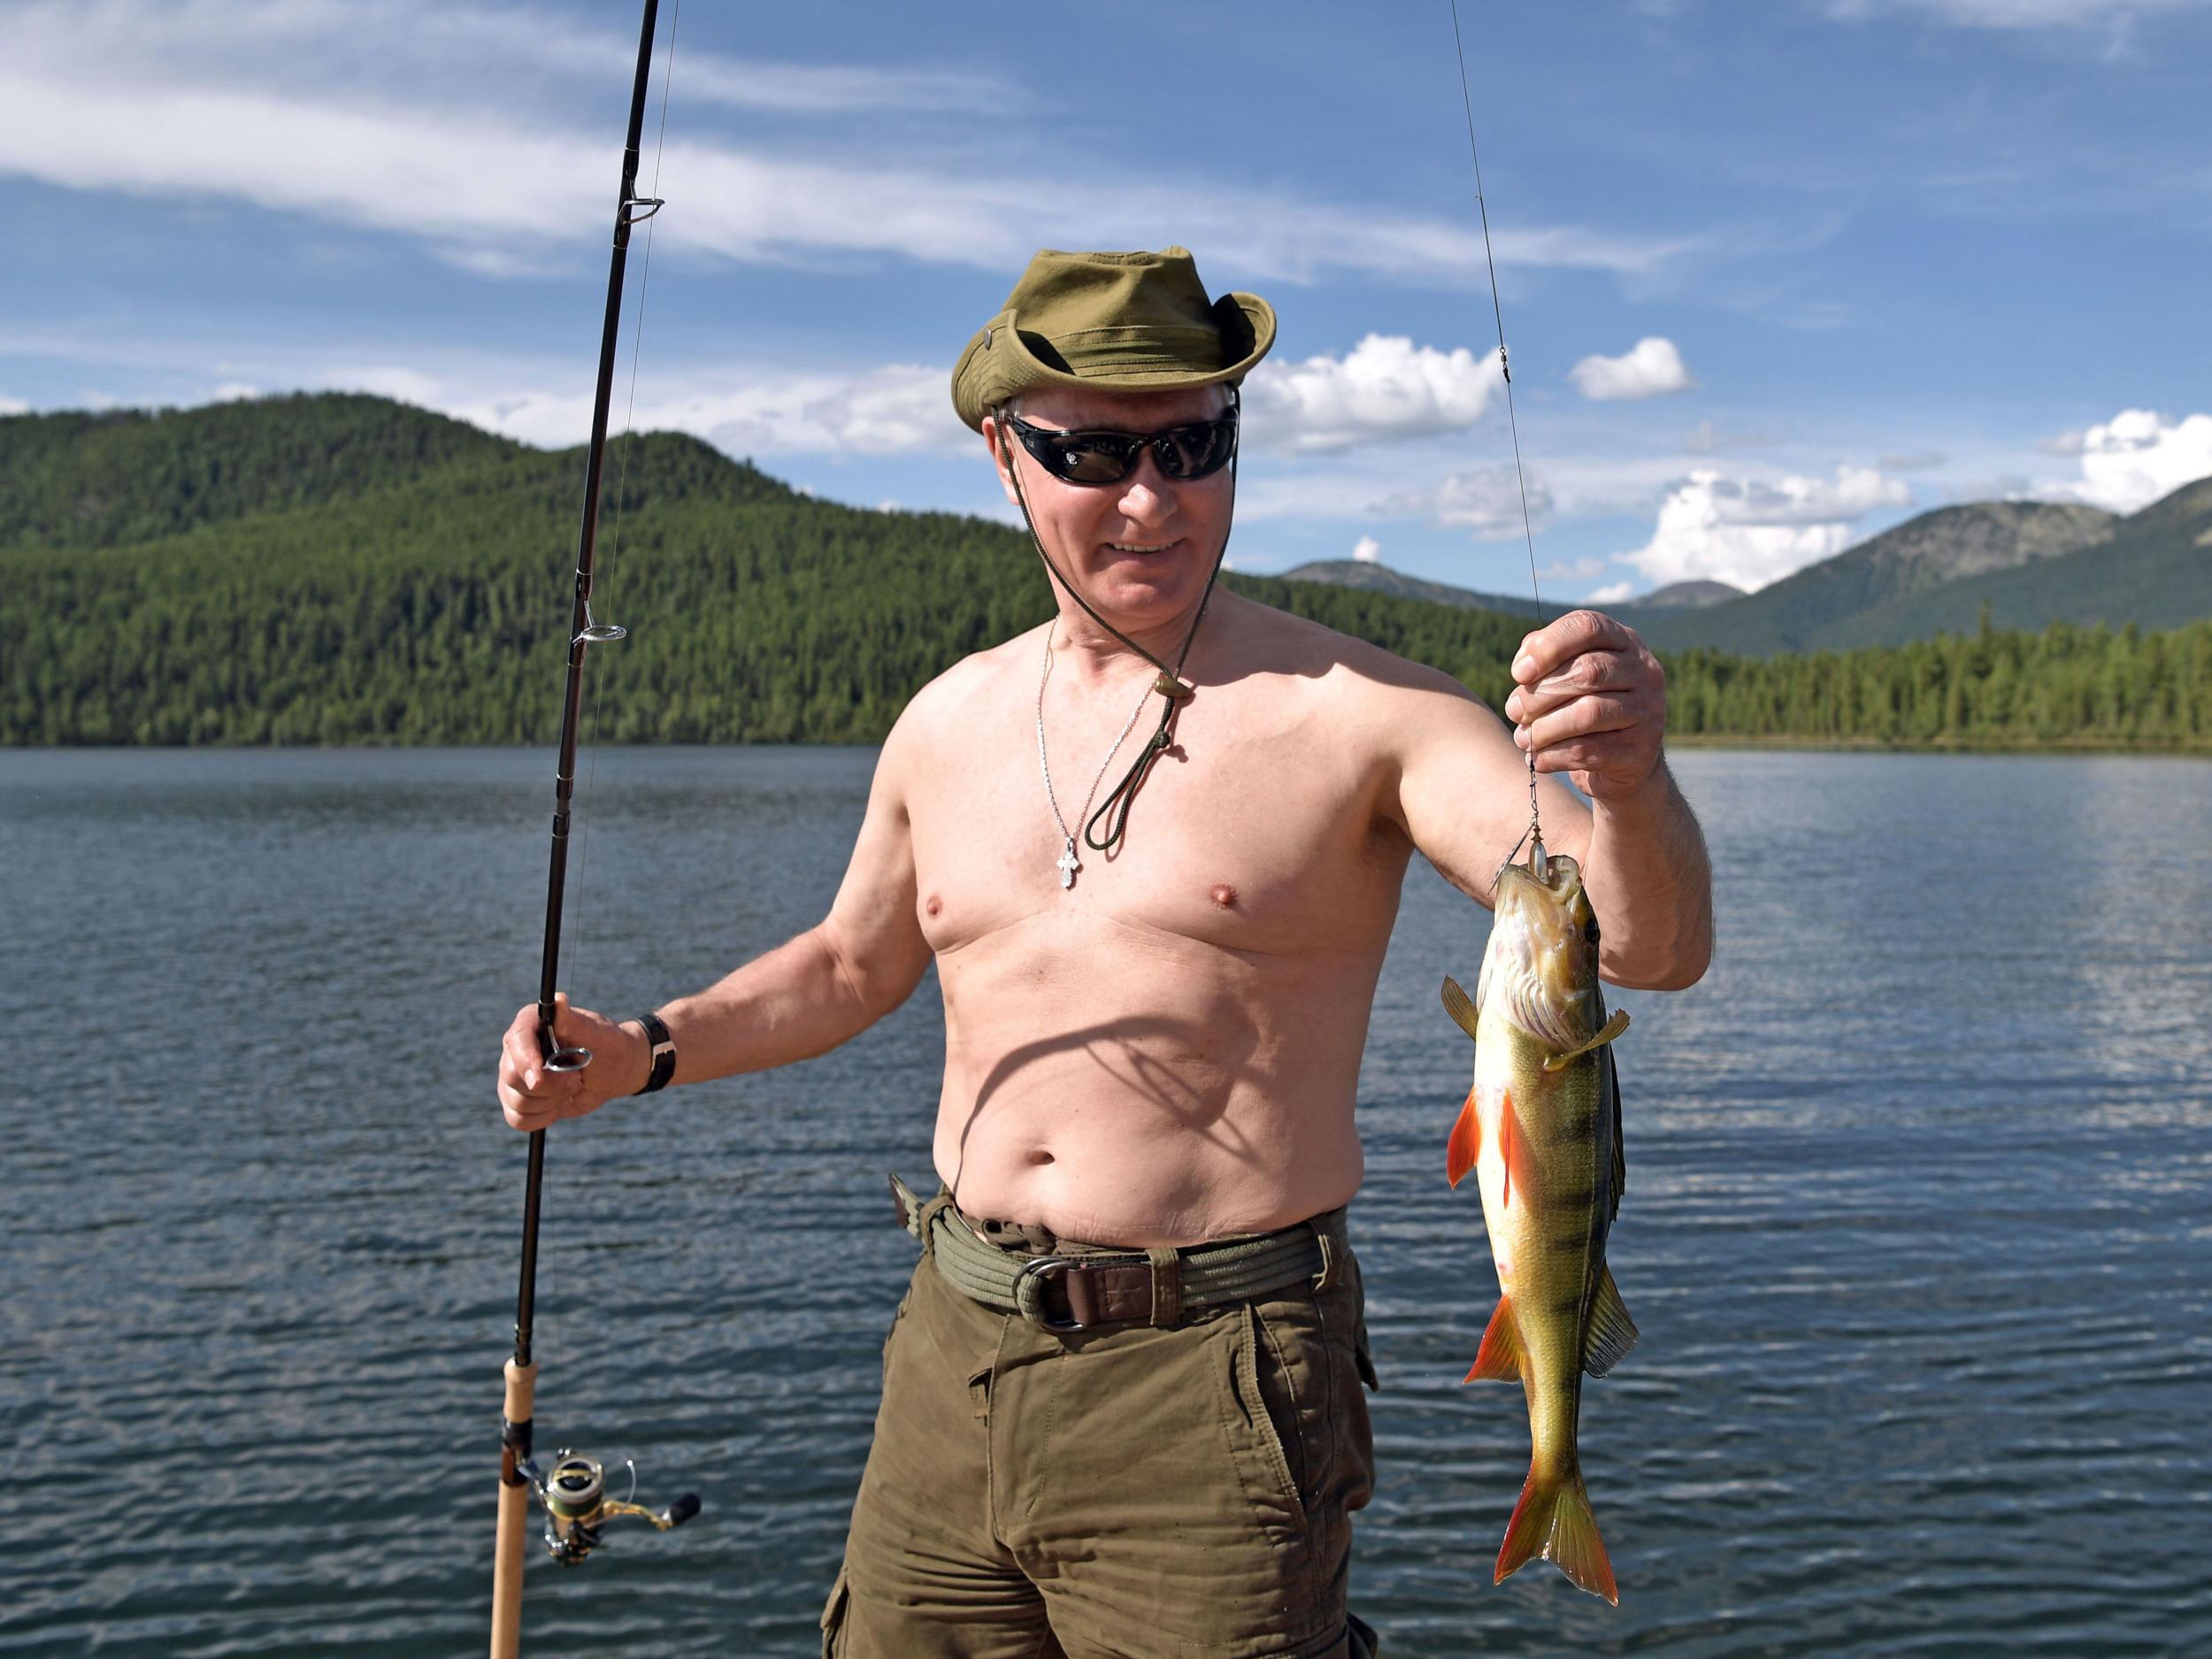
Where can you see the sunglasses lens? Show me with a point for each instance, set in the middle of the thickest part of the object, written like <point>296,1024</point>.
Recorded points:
<point>1091,457</point>
<point>1191,452</point>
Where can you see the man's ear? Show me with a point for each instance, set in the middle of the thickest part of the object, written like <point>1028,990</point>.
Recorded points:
<point>999,459</point>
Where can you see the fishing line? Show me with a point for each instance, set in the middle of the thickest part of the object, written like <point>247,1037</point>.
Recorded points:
<point>1535,831</point>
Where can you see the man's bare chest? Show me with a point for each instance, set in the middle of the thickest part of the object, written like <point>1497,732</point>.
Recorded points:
<point>1248,833</point>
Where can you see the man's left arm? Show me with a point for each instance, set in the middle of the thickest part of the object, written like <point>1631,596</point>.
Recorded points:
<point>1590,700</point>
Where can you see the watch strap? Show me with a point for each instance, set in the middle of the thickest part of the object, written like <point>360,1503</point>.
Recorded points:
<point>664,1052</point>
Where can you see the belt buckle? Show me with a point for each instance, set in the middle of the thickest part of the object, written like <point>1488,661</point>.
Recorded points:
<point>1046,1268</point>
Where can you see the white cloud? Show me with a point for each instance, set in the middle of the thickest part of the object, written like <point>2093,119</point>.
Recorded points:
<point>1386,387</point>
<point>1651,368</point>
<point>389,45</point>
<point>2017,14</point>
<point>1707,438</point>
<point>235,391</point>
<point>1581,570</point>
<point>1486,501</point>
<point>2138,456</point>
<point>1611,594</point>
<point>327,109</point>
<point>1367,550</point>
<point>1752,532</point>
<point>13,406</point>
<point>897,409</point>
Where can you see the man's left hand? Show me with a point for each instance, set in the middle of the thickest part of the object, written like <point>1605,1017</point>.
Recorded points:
<point>1590,701</point>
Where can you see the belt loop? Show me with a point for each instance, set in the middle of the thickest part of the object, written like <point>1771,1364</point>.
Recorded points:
<point>1332,1259</point>
<point>1167,1284</point>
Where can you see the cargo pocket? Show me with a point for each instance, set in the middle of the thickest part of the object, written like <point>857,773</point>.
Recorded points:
<point>892,1335</point>
<point>833,1615</point>
<point>1254,1441</point>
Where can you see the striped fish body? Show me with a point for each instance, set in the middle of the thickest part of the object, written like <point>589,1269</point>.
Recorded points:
<point>1540,1131</point>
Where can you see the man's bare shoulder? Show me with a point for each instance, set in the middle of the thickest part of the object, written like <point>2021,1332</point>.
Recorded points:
<point>1353,677</point>
<point>948,705</point>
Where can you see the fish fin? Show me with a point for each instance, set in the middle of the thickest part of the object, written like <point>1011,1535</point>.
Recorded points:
<point>1606,1033</point>
<point>1466,1142</point>
<point>1609,1083</point>
<point>1520,1168</point>
<point>1611,1332</point>
<point>1498,1359</point>
<point>1461,1008</point>
<point>1552,1520</point>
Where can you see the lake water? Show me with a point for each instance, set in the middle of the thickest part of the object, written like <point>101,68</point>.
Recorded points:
<point>1915,1224</point>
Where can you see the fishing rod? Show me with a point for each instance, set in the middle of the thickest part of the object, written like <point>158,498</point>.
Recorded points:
<point>572,1494</point>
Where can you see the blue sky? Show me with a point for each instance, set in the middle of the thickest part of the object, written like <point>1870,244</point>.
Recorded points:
<point>1775,275</point>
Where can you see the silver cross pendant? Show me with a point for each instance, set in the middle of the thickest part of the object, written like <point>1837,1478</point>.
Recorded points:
<point>1067,865</point>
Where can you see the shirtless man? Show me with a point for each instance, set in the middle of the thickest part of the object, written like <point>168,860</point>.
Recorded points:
<point>1161,1053</point>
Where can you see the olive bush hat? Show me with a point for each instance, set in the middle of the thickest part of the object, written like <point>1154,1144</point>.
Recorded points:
<point>1135,321</point>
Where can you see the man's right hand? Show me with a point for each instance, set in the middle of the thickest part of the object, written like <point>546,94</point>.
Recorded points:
<point>531,1097</point>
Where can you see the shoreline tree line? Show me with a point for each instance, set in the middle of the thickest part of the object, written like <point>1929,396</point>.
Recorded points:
<point>344,569</point>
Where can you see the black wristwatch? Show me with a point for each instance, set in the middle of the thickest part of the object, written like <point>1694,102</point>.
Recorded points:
<point>664,1052</point>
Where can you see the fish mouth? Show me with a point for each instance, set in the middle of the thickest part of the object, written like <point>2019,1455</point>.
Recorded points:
<point>1542,959</point>
<point>1552,895</point>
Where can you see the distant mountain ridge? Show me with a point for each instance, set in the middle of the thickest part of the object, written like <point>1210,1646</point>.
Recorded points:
<point>1825,605</point>
<point>1370,577</point>
<point>1693,596</point>
<point>2029,564</point>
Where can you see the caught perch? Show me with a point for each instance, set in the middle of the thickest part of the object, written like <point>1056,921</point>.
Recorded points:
<point>1541,1129</point>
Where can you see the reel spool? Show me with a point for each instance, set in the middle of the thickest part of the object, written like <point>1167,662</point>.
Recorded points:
<point>577,1508</point>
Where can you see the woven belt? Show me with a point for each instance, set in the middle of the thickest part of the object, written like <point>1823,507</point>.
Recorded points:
<point>1080,1287</point>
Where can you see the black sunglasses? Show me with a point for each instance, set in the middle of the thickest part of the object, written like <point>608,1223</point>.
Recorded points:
<point>1184,453</point>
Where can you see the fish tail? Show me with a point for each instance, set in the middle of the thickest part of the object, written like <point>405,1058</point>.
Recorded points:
<point>1552,1520</point>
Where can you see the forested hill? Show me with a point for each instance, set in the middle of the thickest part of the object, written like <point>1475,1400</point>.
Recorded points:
<point>337,569</point>
<point>346,569</point>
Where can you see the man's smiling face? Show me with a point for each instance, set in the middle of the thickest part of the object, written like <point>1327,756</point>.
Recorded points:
<point>1140,549</point>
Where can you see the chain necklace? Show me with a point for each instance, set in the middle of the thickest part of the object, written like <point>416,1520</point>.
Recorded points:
<point>1067,862</point>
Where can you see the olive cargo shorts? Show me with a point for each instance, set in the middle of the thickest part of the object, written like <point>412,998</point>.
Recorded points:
<point>1181,1493</point>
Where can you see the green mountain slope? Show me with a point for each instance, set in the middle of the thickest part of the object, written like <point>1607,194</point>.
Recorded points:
<point>78,479</point>
<point>1812,608</point>
<point>2154,571</point>
<point>339,570</point>
<point>1693,595</point>
<point>419,594</point>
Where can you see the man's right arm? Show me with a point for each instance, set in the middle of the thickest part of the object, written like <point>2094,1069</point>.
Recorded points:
<point>802,999</point>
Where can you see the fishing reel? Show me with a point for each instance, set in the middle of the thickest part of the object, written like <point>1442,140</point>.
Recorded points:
<point>577,1508</point>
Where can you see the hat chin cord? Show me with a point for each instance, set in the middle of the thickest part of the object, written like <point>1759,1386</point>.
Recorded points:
<point>1173,689</point>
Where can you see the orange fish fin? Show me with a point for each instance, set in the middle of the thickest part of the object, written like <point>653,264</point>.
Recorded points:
<point>1520,1167</point>
<point>1552,1520</point>
<point>1498,1359</point>
<point>1466,1142</point>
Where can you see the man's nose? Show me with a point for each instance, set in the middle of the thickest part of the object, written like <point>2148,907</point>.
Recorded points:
<point>1147,497</point>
